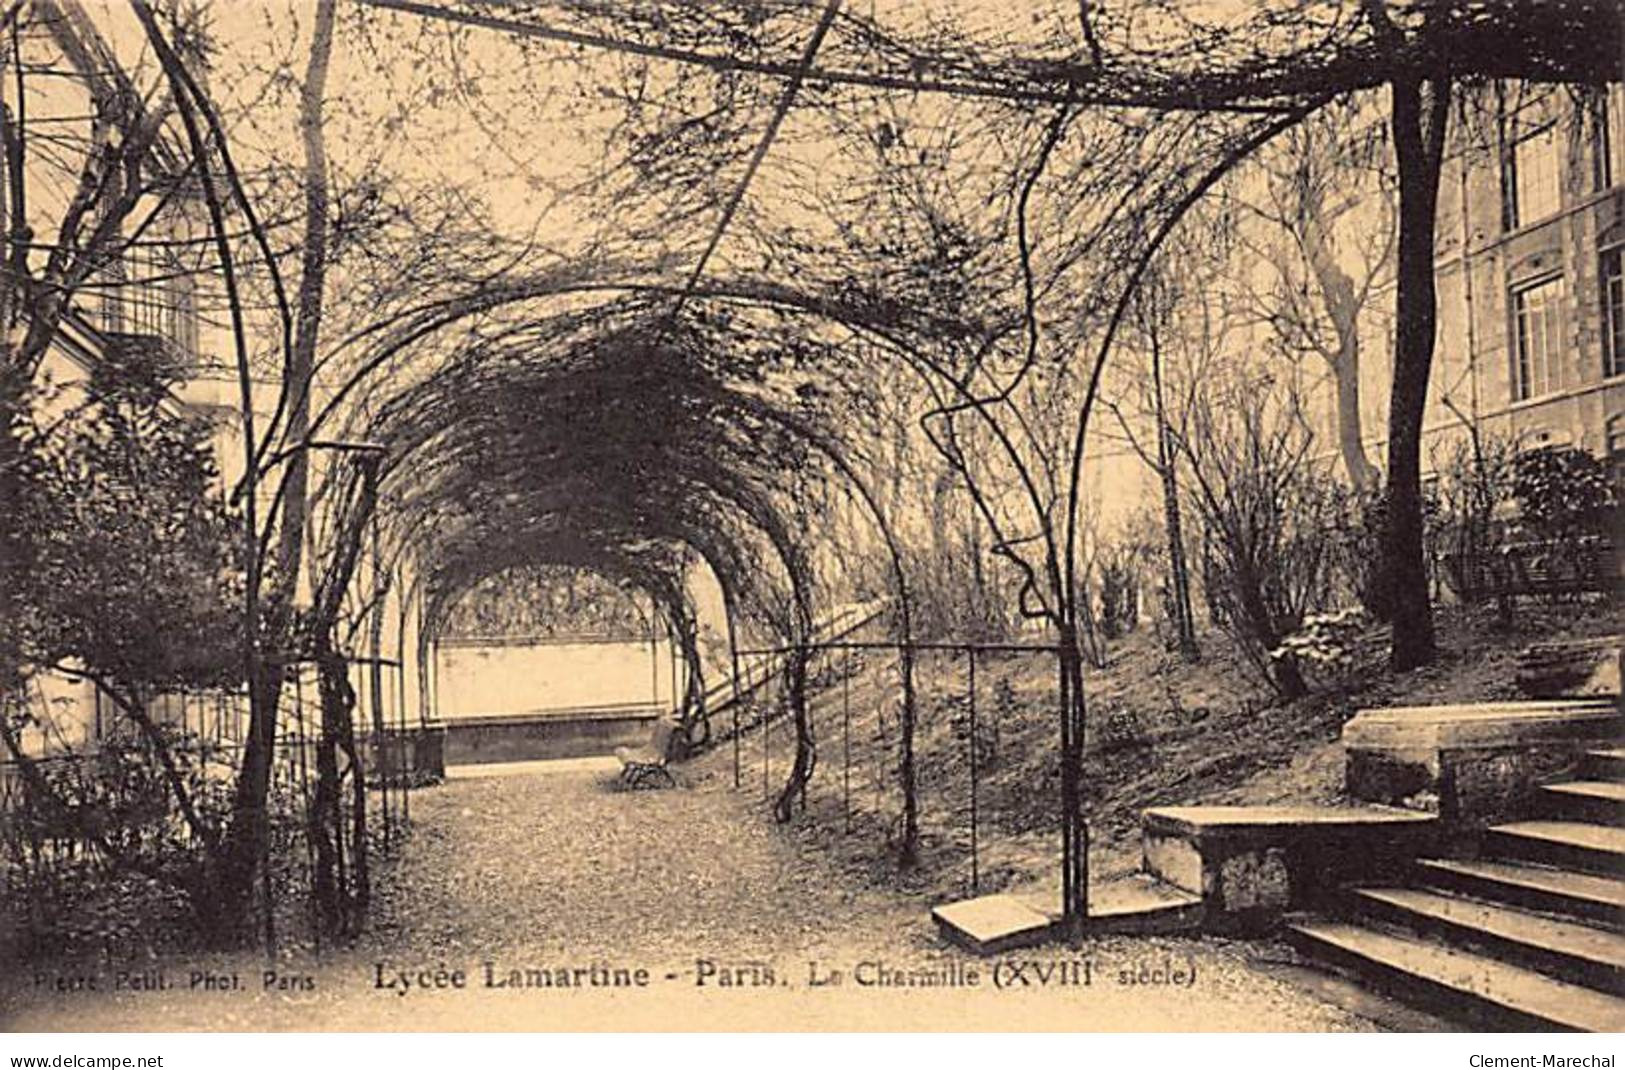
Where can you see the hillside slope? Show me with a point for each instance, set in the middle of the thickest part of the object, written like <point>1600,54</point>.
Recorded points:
<point>1160,733</point>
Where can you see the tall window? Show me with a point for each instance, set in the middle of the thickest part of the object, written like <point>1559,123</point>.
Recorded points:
<point>1531,177</point>
<point>1613,313</point>
<point>1538,314</point>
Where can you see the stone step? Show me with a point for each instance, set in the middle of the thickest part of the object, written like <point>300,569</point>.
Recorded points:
<point>992,924</point>
<point>1572,952</point>
<point>1606,764</point>
<point>1599,801</point>
<point>1497,994</point>
<point>1480,760</point>
<point>1564,844</point>
<point>1572,667</point>
<point>1558,891</point>
<point>1141,905</point>
<point>1136,904</point>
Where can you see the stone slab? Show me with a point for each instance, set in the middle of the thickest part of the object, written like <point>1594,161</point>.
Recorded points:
<point>1497,724</point>
<point>1573,667</point>
<point>1142,905</point>
<point>1277,823</point>
<point>1610,791</point>
<point>533,737</point>
<point>990,924</point>
<point>540,767</point>
<point>1595,947</point>
<point>1579,834</point>
<point>1114,895</point>
<point>1472,764</point>
<point>1249,863</point>
<point>1555,885</point>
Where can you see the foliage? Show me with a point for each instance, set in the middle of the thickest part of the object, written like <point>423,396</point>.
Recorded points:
<point>135,585</point>
<point>137,579</point>
<point>1502,511</point>
<point>1563,493</point>
<point>1267,509</point>
<point>102,861</point>
<point>1326,642</point>
<point>985,741</point>
<point>1355,534</point>
<point>957,599</point>
<point>1362,518</point>
<point>1120,573</point>
<point>555,603</point>
<point>1474,484</point>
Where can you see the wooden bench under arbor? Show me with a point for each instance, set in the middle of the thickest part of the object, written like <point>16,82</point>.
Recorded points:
<point>641,766</point>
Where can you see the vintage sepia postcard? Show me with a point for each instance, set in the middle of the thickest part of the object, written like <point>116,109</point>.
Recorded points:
<point>812,515</point>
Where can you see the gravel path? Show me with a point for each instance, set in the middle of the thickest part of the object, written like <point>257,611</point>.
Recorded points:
<point>540,872</point>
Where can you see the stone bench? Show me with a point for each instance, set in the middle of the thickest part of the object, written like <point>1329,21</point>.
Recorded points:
<point>1472,764</point>
<point>1249,863</point>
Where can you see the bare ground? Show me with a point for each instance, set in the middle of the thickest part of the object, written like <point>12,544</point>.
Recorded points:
<point>559,869</point>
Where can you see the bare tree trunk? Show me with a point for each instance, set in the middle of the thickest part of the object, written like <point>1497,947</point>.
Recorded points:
<point>984,624</point>
<point>1074,829</point>
<point>312,280</point>
<point>1342,308</point>
<point>1179,580</point>
<point>1420,113</point>
<point>16,543</point>
<point>693,713</point>
<point>341,896</point>
<point>375,639</point>
<point>1179,576</point>
<point>324,821</point>
<point>249,828</point>
<point>1350,440</point>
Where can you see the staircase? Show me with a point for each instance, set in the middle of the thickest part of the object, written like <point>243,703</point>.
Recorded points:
<point>1527,936</point>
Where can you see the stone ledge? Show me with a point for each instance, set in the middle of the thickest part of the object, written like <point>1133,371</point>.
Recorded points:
<point>1250,863</point>
<point>1274,823</point>
<point>1472,764</point>
<point>1482,724</point>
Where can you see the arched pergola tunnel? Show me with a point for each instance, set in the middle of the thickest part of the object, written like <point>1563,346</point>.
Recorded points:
<point>627,441</point>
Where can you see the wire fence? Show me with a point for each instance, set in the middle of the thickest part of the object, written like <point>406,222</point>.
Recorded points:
<point>97,801</point>
<point>969,703</point>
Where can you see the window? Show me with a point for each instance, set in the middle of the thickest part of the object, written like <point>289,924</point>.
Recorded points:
<point>145,310</point>
<point>1531,178</point>
<point>1613,313</point>
<point>1538,333</point>
<point>111,280</point>
<point>153,296</point>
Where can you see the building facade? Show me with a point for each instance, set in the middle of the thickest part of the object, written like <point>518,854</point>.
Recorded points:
<point>1531,303</point>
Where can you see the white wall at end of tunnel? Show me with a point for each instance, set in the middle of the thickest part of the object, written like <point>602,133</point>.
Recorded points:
<point>478,678</point>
